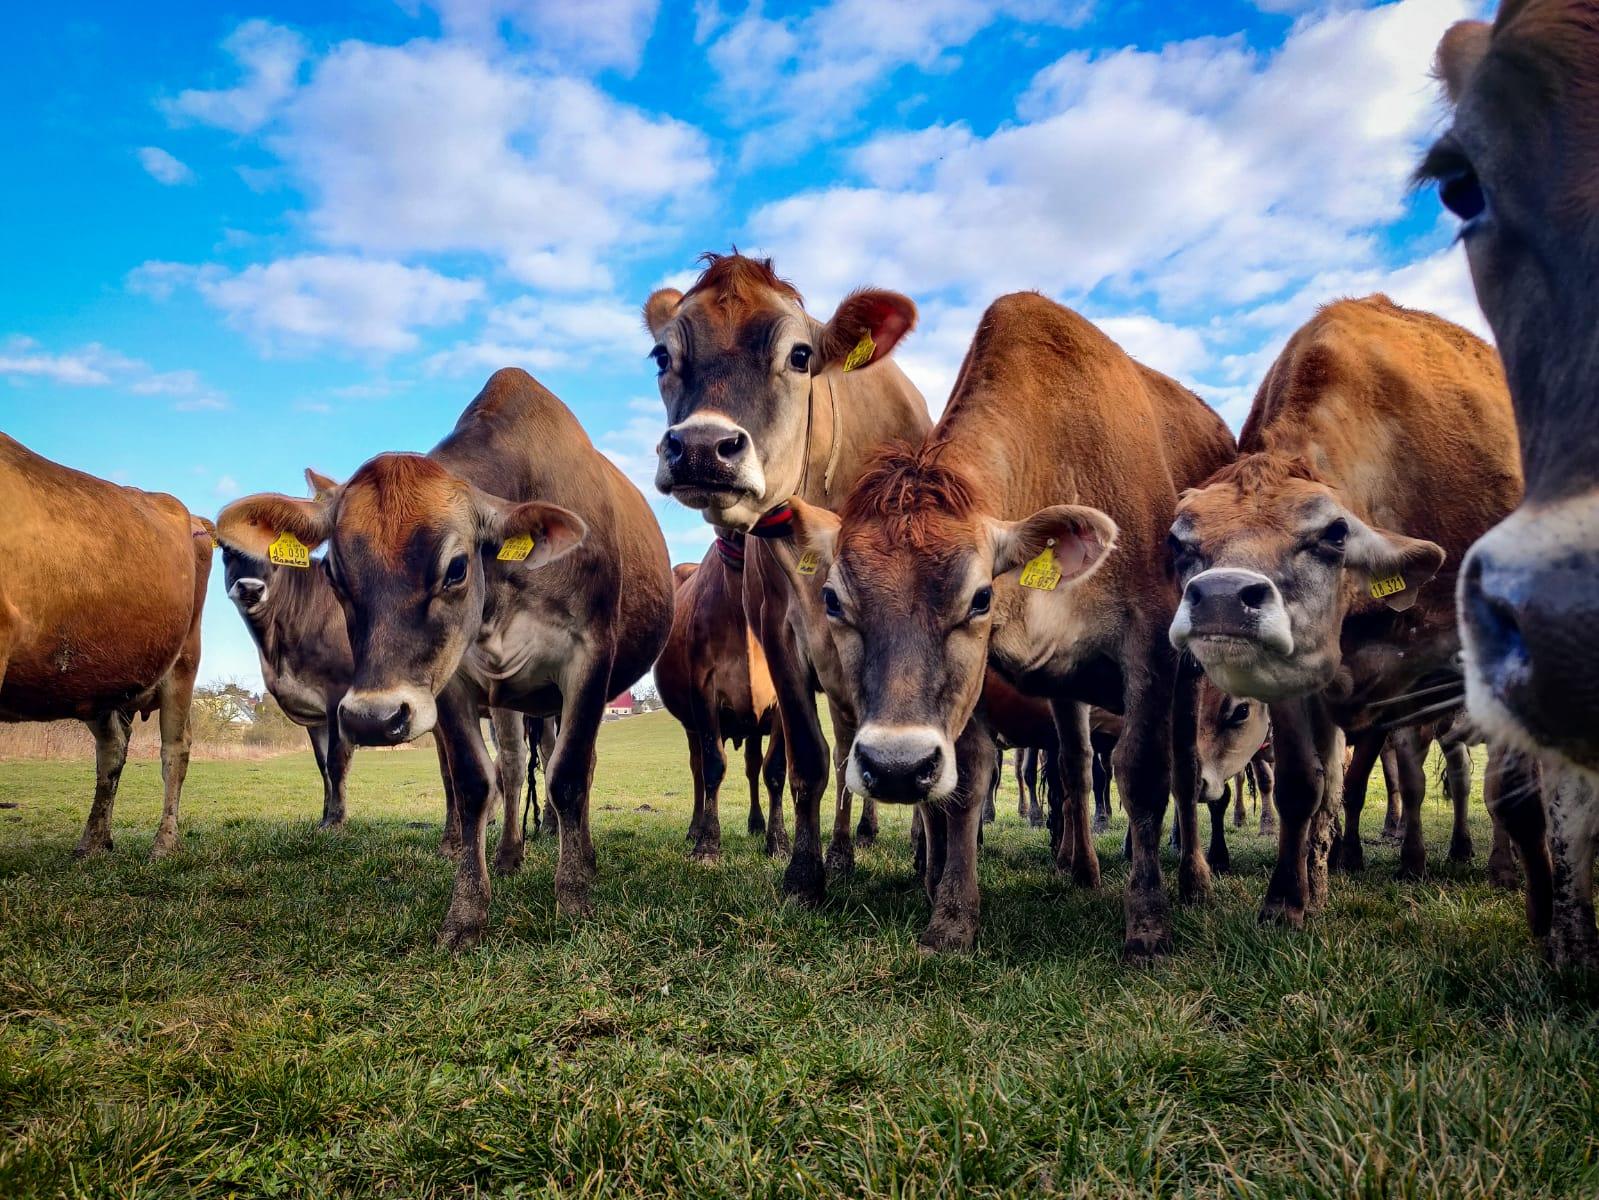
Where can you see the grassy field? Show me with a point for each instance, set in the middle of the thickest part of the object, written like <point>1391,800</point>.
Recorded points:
<point>264,1013</point>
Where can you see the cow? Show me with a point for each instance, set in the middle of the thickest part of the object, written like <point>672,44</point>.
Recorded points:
<point>712,677</point>
<point>990,542</point>
<point>101,589</point>
<point>512,566</point>
<point>1518,166</point>
<point>1305,563</point>
<point>764,402</point>
<point>1231,734</point>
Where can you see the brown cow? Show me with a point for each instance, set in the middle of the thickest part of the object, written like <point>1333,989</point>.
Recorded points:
<point>953,554</point>
<point>434,558</point>
<point>101,589</point>
<point>712,677</point>
<point>1231,734</point>
<point>1520,166</point>
<point>1304,562</point>
<point>764,402</point>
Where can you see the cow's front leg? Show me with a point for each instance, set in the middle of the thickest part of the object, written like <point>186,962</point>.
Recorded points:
<point>1412,791</point>
<point>841,846</point>
<point>1366,746</point>
<point>1142,763</point>
<point>1573,814</point>
<point>510,768</point>
<point>1299,794</point>
<point>571,772</point>
<point>472,785</point>
<point>1075,853</point>
<point>956,903</point>
<point>774,774</point>
<point>450,841</point>
<point>805,879</point>
<point>111,731</point>
<point>1220,859</point>
<point>1457,777</point>
<point>1193,871</point>
<point>340,752</point>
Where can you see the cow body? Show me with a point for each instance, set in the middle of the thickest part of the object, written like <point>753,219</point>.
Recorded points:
<point>101,589</point>
<point>713,678</point>
<point>513,566</point>
<point>924,591</point>
<point>761,407</point>
<point>1304,563</point>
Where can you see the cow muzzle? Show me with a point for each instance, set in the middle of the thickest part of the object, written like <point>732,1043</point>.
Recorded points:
<point>248,593</point>
<point>386,718</point>
<point>1529,616</point>
<point>1225,605</point>
<point>905,764</point>
<point>708,462</point>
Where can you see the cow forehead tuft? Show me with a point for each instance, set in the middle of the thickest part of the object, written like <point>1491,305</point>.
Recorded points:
<point>392,495</point>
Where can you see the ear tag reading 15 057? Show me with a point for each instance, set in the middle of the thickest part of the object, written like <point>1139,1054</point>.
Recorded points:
<point>1042,573</point>
<point>516,549</point>
<point>287,550</point>
<point>862,354</point>
<point>1381,588</point>
<point>807,563</point>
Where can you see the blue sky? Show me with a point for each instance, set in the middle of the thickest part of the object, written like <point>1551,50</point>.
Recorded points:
<point>240,241</point>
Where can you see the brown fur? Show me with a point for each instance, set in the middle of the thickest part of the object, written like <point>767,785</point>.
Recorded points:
<point>736,287</point>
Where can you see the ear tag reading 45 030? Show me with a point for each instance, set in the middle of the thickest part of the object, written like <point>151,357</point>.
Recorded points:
<point>808,563</point>
<point>1381,588</point>
<point>516,549</point>
<point>287,550</point>
<point>1042,573</point>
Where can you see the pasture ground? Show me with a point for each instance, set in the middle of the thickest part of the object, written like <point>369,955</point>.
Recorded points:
<point>265,1014</point>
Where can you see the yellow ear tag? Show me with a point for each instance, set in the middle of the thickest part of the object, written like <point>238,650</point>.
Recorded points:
<point>287,550</point>
<point>517,548</point>
<point>862,354</point>
<point>1042,573</point>
<point>808,563</point>
<point>1387,587</point>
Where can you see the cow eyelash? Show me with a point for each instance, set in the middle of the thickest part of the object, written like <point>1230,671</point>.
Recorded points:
<point>663,359</point>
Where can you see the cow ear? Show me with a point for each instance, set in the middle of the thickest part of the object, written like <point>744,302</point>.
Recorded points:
<point>660,308</point>
<point>322,488</point>
<point>866,328</point>
<point>1077,537</point>
<point>252,524</point>
<point>815,532</point>
<point>1460,53</point>
<point>1392,567</point>
<point>534,534</point>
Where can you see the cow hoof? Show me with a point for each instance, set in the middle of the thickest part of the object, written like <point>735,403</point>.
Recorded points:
<point>757,826</point>
<point>572,899</point>
<point>1351,859</point>
<point>1085,874</point>
<point>706,852</point>
<point>1281,912</point>
<point>1267,829</point>
<point>841,859</point>
<point>948,938</point>
<point>1193,882</point>
<point>776,844</point>
<point>1503,873</point>
<point>162,848</point>
<point>92,848</point>
<point>805,881</point>
<point>1410,872</point>
<point>693,834</point>
<point>865,835</point>
<point>1147,947</point>
<point>1461,850</point>
<point>458,934</point>
<point>1221,863</point>
<point>509,862</point>
<point>1573,945</point>
<point>331,824</point>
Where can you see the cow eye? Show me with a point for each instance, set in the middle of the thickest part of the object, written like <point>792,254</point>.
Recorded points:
<point>831,603</point>
<point>1183,555</point>
<point>455,573</point>
<point>800,358</point>
<point>663,360</point>
<point>1335,534</point>
<point>1462,194</point>
<point>1239,715</point>
<point>981,600</point>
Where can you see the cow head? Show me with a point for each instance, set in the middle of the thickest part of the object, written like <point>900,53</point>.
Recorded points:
<point>410,548</point>
<point>912,568</point>
<point>1231,732</point>
<point>735,356</point>
<point>251,578</point>
<point>1271,560</point>
<point>1519,166</point>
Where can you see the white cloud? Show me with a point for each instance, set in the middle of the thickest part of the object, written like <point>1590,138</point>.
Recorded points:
<point>594,34</point>
<point>22,359</point>
<point>269,58</point>
<point>226,488</point>
<point>541,334</point>
<point>163,167</point>
<point>461,153</point>
<point>315,299</point>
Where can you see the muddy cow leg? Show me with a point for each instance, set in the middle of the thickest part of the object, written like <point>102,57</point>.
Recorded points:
<point>1220,859</point>
<point>450,843</point>
<point>919,844</point>
<point>1573,816</point>
<point>696,770</point>
<point>1193,872</point>
<point>175,696</point>
<point>1393,825</point>
<point>1366,746</point>
<point>1298,794</point>
<point>1457,779</point>
<point>1239,812</point>
<point>1266,773</point>
<point>756,824</point>
<point>1408,754</point>
<point>111,732</point>
<point>1076,852</point>
<point>775,775</point>
<point>472,779</point>
<point>340,752</point>
<point>805,879</point>
<point>1143,763</point>
<point>841,846</point>
<point>508,769</point>
<point>713,770</point>
<point>956,902</point>
<point>1020,761</point>
<point>1502,869</point>
<point>1515,794</point>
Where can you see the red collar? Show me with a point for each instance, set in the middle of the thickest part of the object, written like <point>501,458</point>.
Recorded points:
<point>779,523</point>
<point>732,552</point>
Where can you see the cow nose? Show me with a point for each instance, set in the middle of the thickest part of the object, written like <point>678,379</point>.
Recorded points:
<point>375,721</point>
<point>900,768</point>
<point>672,447</point>
<point>705,453</point>
<point>1225,602</point>
<point>1531,624</point>
<point>731,449</point>
<point>249,592</point>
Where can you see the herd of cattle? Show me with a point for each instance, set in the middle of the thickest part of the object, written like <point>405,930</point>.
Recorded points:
<point>1077,560</point>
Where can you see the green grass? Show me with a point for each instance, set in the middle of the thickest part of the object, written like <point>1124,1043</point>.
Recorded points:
<point>265,1014</point>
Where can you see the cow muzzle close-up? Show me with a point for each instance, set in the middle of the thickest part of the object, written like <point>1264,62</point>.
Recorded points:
<point>1229,605</point>
<point>904,764</point>
<point>708,463</point>
<point>386,718</point>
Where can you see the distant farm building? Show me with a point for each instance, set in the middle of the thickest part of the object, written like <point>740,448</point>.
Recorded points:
<point>622,706</point>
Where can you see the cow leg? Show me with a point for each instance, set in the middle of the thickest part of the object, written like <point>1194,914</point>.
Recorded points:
<point>1193,872</point>
<point>1219,858</point>
<point>805,880</point>
<point>1573,816</point>
<point>956,901</point>
<point>1367,745</point>
<point>175,696</point>
<point>551,727</point>
<point>990,813</point>
<point>111,732</point>
<point>1502,869</point>
<point>696,768</point>
<point>1239,811</point>
<point>775,774</point>
<point>1457,781</point>
<point>1299,792</point>
<point>532,731</point>
<point>841,846</point>
<point>1324,821</point>
<point>569,778</point>
<point>340,752</point>
<point>459,725</point>
<point>318,736</point>
<point>1142,761</point>
<point>1393,823</point>
<point>713,770</point>
<point>1075,852</point>
<point>1408,752</point>
<point>1102,782</point>
<point>1266,773</point>
<point>1021,783</point>
<point>756,825</point>
<point>866,831</point>
<point>1054,800</point>
<point>935,837</point>
<point>450,843</point>
<point>509,768</point>
<point>1515,797</point>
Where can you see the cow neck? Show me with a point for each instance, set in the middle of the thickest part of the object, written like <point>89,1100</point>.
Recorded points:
<point>730,545</point>
<point>820,464</point>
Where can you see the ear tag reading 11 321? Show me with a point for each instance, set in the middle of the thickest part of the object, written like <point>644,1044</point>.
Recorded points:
<point>808,563</point>
<point>1042,573</point>
<point>287,550</point>
<point>516,549</point>
<point>1381,588</point>
<point>862,354</point>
